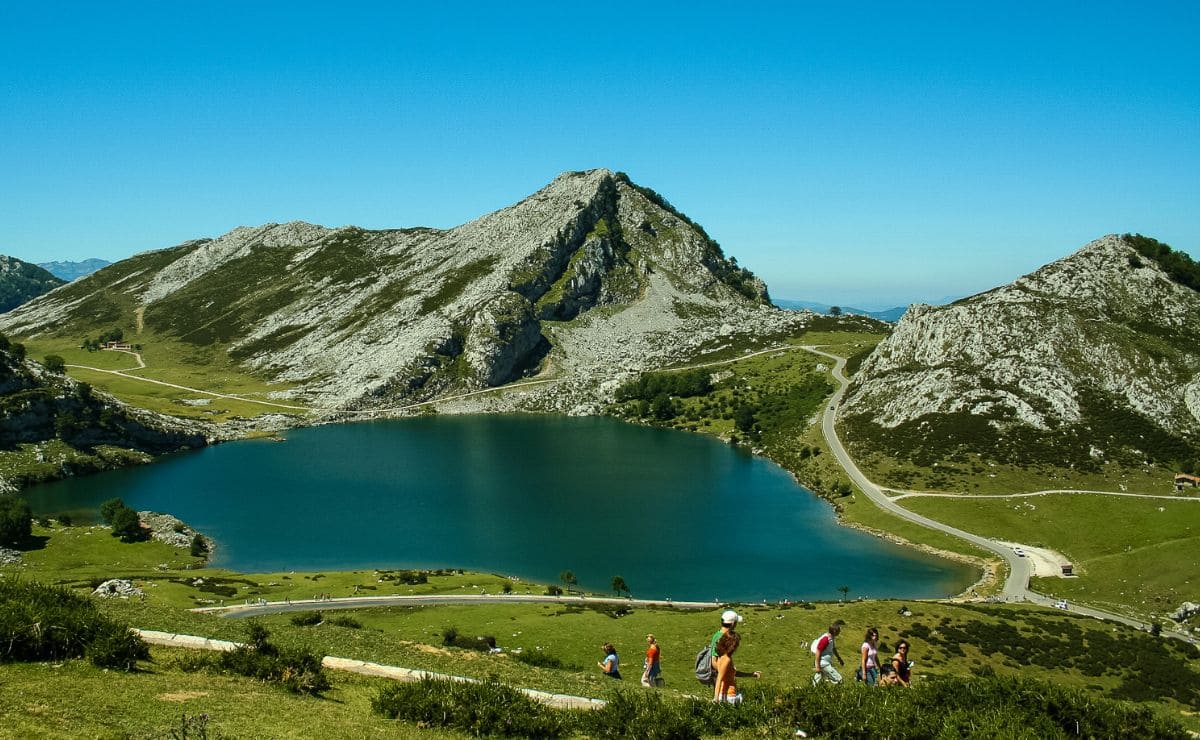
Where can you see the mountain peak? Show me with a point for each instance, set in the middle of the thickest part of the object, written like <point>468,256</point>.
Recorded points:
<point>1093,353</point>
<point>590,273</point>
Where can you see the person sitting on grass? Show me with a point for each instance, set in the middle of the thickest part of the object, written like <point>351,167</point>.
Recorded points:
<point>901,667</point>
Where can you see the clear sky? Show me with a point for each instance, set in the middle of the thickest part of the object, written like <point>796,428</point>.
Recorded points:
<point>857,153</point>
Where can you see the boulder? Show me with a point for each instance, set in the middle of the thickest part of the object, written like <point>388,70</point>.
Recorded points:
<point>1185,611</point>
<point>117,588</point>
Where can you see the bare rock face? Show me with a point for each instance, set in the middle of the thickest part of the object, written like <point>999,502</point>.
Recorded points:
<point>117,588</point>
<point>590,273</point>
<point>1103,338</point>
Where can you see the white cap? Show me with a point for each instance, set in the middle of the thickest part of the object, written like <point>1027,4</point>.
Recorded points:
<point>730,617</point>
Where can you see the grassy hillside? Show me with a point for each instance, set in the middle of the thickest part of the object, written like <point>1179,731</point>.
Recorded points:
<point>181,343</point>
<point>949,641</point>
<point>1133,555</point>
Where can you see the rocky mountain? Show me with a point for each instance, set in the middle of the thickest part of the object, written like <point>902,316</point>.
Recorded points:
<point>73,270</point>
<point>21,281</point>
<point>1093,358</point>
<point>591,276</point>
<point>52,426</point>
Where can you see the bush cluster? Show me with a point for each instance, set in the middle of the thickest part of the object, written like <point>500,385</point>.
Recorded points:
<point>487,708</point>
<point>452,638</point>
<point>298,671</point>
<point>652,386</point>
<point>16,521</point>
<point>1150,669</point>
<point>538,659</point>
<point>952,707</point>
<point>1178,265</point>
<point>40,622</point>
<point>125,522</point>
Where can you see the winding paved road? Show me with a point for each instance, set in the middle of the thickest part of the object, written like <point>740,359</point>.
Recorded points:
<point>1016,586</point>
<point>253,609</point>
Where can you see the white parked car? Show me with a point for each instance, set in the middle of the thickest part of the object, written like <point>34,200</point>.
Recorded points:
<point>1061,604</point>
<point>1020,553</point>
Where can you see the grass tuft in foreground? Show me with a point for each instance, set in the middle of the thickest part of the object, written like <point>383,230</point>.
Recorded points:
<point>40,622</point>
<point>952,707</point>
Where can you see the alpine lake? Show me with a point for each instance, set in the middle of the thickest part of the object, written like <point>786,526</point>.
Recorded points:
<point>677,515</point>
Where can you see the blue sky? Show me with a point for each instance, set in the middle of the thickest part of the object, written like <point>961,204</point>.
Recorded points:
<point>857,153</point>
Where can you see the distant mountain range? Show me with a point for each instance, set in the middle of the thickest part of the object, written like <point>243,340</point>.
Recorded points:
<point>590,278</point>
<point>73,270</point>
<point>890,315</point>
<point>21,281</point>
<point>1091,359</point>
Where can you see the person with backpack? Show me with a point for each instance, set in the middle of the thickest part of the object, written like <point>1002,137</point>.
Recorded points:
<point>824,650</point>
<point>725,688</point>
<point>705,672</point>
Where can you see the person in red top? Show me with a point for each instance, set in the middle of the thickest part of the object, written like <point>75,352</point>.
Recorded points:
<point>651,671</point>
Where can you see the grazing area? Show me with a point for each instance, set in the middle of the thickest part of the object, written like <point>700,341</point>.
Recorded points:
<point>172,361</point>
<point>1136,568</point>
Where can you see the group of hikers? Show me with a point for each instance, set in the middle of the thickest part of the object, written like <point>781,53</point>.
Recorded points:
<point>715,666</point>
<point>869,670</point>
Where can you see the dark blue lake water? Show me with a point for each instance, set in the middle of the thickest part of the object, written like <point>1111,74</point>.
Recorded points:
<point>675,514</point>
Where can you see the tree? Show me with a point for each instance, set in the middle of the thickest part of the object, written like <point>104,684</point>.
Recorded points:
<point>55,364</point>
<point>835,310</point>
<point>619,586</point>
<point>199,546</point>
<point>845,591</point>
<point>553,590</point>
<point>745,418</point>
<point>16,521</point>
<point>109,508</point>
<point>568,578</point>
<point>127,525</point>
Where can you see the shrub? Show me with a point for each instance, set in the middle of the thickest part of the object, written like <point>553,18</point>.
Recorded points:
<point>297,671</point>
<point>120,649</point>
<point>64,520</point>
<point>347,622</point>
<point>451,638</point>
<point>109,508</point>
<point>16,521</point>
<point>199,548</point>
<point>487,708</point>
<point>127,525</point>
<point>538,659</point>
<point>307,619</point>
<point>40,622</point>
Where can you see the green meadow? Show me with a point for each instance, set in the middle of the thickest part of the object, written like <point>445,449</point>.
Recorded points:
<point>170,361</point>
<point>949,640</point>
<point>1132,555</point>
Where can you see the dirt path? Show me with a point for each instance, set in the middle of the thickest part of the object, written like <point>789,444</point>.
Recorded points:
<point>361,667</point>
<point>124,374</point>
